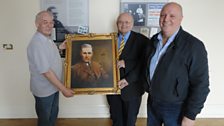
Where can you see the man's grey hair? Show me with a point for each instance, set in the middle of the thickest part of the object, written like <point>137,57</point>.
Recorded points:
<point>86,46</point>
<point>40,14</point>
<point>132,18</point>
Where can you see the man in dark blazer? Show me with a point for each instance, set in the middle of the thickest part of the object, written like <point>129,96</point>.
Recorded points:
<point>124,108</point>
<point>176,72</point>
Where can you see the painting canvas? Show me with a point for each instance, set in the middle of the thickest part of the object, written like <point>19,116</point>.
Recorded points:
<point>90,64</point>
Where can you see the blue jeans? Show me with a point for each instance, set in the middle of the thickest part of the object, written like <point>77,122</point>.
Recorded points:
<point>47,109</point>
<point>160,113</point>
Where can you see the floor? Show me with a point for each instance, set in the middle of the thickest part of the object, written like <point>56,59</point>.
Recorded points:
<point>99,122</point>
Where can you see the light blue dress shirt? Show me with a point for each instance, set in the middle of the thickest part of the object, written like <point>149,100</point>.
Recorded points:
<point>160,51</point>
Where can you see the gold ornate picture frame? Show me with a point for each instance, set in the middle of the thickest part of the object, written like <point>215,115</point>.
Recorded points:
<point>98,75</point>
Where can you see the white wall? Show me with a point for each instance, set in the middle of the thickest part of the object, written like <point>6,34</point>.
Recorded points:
<point>201,18</point>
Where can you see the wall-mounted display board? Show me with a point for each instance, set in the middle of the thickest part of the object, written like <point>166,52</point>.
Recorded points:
<point>145,13</point>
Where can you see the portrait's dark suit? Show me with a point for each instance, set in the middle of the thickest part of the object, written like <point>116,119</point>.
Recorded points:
<point>130,98</point>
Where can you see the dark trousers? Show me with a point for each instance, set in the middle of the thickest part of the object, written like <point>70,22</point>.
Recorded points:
<point>160,113</point>
<point>47,109</point>
<point>123,113</point>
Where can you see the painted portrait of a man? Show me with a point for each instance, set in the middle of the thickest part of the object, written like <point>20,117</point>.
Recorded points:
<point>89,72</point>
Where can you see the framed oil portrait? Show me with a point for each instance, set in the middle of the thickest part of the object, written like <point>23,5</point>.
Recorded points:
<point>90,64</point>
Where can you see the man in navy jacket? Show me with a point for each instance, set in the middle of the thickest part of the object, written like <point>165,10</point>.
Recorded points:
<point>176,72</point>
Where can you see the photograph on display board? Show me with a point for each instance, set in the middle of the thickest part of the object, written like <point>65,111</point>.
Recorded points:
<point>138,11</point>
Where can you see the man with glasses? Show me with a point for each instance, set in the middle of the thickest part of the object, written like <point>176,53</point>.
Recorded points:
<point>124,108</point>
